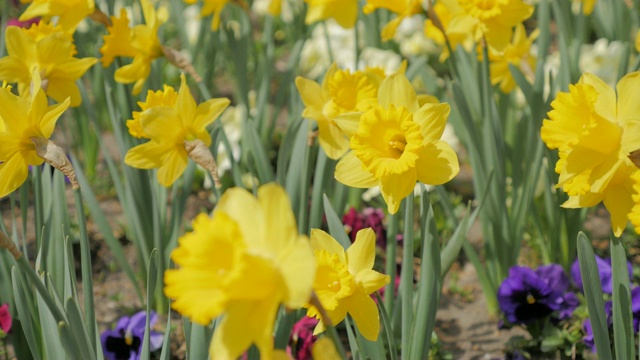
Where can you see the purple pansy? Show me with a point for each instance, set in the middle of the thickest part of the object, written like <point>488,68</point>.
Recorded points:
<point>125,341</point>
<point>526,295</point>
<point>588,337</point>
<point>604,269</point>
<point>568,303</point>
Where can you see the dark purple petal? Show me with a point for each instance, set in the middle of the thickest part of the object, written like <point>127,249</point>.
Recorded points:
<point>588,337</point>
<point>569,302</point>
<point>155,341</point>
<point>555,277</point>
<point>524,296</point>
<point>604,270</point>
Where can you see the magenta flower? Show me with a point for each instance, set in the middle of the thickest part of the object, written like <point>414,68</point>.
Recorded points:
<point>23,24</point>
<point>302,337</point>
<point>5,318</point>
<point>369,217</point>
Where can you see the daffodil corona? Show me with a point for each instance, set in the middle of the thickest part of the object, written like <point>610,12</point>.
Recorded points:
<point>24,122</point>
<point>171,129</point>
<point>48,50</point>
<point>518,54</point>
<point>397,143</point>
<point>341,92</point>
<point>595,131</point>
<point>165,97</point>
<point>345,279</point>
<point>242,263</point>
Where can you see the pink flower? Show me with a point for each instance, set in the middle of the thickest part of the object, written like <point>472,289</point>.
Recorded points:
<point>302,337</point>
<point>23,24</point>
<point>5,318</point>
<point>369,217</point>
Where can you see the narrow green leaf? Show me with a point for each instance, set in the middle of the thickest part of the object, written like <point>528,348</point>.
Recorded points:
<point>50,336</point>
<point>593,295</point>
<point>336,228</point>
<point>165,353</point>
<point>23,303</point>
<point>623,334</point>
<point>152,279</point>
<point>430,283</point>
<point>406,276</point>
<point>80,341</point>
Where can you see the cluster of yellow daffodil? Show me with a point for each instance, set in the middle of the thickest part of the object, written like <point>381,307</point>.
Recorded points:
<point>595,130</point>
<point>247,259</point>
<point>394,139</point>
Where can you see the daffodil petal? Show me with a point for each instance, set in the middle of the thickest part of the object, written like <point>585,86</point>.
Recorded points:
<point>185,104</point>
<point>298,267</point>
<point>397,91</point>
<point>371,280</point>
<point>364,312</point>
<point>149,155</point>
<point>619,203</point>
<point>351,172</point>
<point>276,211</point>
<point>432,119</point>
<point>246,211</point>
<point>332,140</point>
<point>173,167</point>
<point>437,164</point>
<point>362,253</point>
<point>348,123</point>
<point>320,240</point>
<point>48,122</point>
<point>395,187</point>
<point>628,105</point>
<point>13,173</point>
<point>583,201</point>
<point>62,89</point>
<point>208,111</point>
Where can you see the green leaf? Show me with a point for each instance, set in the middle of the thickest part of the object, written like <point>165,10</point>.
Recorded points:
<point>152,279</point>
<point>80,341</point>
<point>430,283</point>
<point>23,308</point>
<point>336,228</point>
<point>593,295</point>
<point>623,334</point>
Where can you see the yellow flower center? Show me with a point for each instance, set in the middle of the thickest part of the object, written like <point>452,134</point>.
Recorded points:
<point>482,9</point>
<point>333,280</point>
<point>387,140</point>
<point>351,92</point>
<point>530,299</point>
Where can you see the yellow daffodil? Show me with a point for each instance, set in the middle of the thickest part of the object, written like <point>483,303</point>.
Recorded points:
<point>444,14</point>
<point>595,131</point>
<point>23,122</point>
<point>518,54</point>
<point>209,7</point>
<point>397,143</point>
<point>345,12</point>
<point>170,129</point>
<point>634,216</point>
<point>342,91</point>
<point>324,349</point>
<point>403,8</point>
<point>140,43</point>
<point>587,6</point>
<point>48,50</point>
<point>70,12</point>
<point>275,7</point>
<point>491,19</point>
<point>345,279</point>
<point>242,263</point>
<point>165,97</point>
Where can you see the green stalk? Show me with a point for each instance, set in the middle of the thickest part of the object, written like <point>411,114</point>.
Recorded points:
<point>85,264</point>
<point>390,264</point>
<point>406,275</point>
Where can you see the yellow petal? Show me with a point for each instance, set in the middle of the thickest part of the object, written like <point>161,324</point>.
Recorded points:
<point>281,229</point>
<point>348,123</point>
<point>432,119</point>
<point>395,187</point>
<point>242,207</point>
<point>605,102</point>
<point>619,203</point>
<point>12,110</point>
<point>208,111</point>
<point>149,155</point>
<point>61,90</point>
<point>437,164</point>
<point>583,201</point>
<point>298,269</point>
<point>174,164</point>
<point>245,323</point>
<point>362,253</point>
<point>628,105</point>
<point>364,312</point>
<point>160,123</point>
<point>14,70</point>
<point>320,240</point>
<point>137,71</point>
<point>20,45</point>
<point>332,140</point>
<point>396,90</point>
<point>185,104</point>
<point>324,349</point>
<point>13,173</point>
<point>48,121</point>
<point>371,280</point>
<point>311,94</point>
<point>351,172</point>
